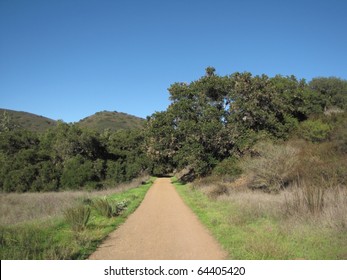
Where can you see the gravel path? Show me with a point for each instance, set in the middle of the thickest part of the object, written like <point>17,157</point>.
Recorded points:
<point>162,228</point>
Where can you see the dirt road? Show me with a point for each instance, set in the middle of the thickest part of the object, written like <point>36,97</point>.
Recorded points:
<point>162,228</point>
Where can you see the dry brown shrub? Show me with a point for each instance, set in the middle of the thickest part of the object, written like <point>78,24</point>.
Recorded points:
<point>273,168</point>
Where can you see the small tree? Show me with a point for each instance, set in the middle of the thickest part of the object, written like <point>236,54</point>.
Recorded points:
<point>7,123</point>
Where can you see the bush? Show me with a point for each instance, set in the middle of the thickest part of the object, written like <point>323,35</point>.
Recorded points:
<point>20,180</point>
<point>121,206</point>
<point>314,130</point>
<point>107,209</point>
<point>273,168</point>
<point>115,171</point>
<point>103,207</point>
<point>78,217</point>
<point>228,167</point>
<point>77,172</point>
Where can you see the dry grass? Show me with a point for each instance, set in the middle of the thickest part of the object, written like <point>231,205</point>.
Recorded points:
<point>24,207</point>
<point>294,207</point>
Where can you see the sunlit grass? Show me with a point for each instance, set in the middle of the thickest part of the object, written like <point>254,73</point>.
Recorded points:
<point>55,238</point>
<point>256,225</point>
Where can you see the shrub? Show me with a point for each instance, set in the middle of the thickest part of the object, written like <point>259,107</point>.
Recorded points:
<point>20,180</point>
<point>103,207</point>
<point>107,209</point>
<point>228,167</point>
<point>273,168</point>
<point>78,217</point>
<point>121,206</point>
<point>314,130</point>
<point>77,172</point>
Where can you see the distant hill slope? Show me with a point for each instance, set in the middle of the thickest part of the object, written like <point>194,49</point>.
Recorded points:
<point>29,121</point>
<point>111,120</point>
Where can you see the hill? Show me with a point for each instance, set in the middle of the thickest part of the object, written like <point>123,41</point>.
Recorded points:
<point>111,120</point>
<point>29,121</point>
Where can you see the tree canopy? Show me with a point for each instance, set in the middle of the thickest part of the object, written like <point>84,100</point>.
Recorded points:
<point>211,121</point>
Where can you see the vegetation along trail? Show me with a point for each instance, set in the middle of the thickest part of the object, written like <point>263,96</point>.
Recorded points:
<point>163,227</point>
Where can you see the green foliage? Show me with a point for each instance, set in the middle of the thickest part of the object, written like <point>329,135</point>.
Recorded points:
<point>78,217</point>
<point>228,167</point>
<point>108,208</point>
<point>77,172</point>
<point>332,90</point>
<point>215,117</point>
<point>314,130</point>
<point>111,120</point>
<point>29,242</point>
<point>104,207</point>
<point>209,121</point>
<point>69,157</point>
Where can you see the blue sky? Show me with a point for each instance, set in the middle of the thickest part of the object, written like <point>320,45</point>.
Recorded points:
<point>67,59</point>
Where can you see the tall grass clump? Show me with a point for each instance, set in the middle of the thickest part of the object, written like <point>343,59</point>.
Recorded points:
<point>109,208</point>
<point>78,217</point>
<point>313,197</point>
<point>103,207</point>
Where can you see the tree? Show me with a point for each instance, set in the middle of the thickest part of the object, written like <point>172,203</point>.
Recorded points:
<point>7,123</point>
<point>332,90</point>
<point>192,132</point>
<point>210,71</point>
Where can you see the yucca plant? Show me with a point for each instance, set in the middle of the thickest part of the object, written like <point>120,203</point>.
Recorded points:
<point>103,207</point>
<point>107,209</point>
<point>78,217</point>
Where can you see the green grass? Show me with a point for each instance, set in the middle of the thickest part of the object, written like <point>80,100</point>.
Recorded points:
<point>56,239</point>
<point>248,234</point>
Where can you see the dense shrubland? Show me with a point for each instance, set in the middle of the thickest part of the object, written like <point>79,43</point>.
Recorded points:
<point>217,125</point>
<point>67,157</point>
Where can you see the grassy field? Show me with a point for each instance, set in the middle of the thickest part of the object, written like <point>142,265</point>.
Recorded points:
<point>257,225</point>
<point>48,232</point>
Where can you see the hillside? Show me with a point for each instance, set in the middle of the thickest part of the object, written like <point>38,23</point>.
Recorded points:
<point>99,121</point>
<point>111,120</point>
<point>29,121</point>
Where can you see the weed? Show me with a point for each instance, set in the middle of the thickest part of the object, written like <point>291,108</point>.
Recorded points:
<point>313,198</point>
<point>103,207</point>
<point>109,209</point>
<point>77,217</point>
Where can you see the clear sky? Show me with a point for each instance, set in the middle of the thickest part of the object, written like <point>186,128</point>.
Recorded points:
<point>67,59</point>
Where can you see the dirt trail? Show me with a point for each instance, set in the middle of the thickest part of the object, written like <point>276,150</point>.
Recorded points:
<point>162,228</point>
